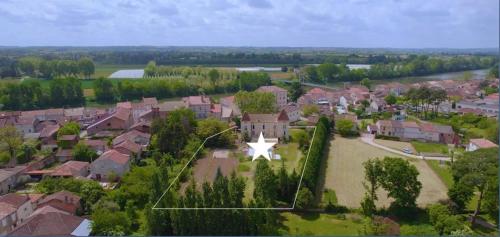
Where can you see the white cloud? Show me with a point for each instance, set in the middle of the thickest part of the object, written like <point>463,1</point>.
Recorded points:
<point>355,23</point>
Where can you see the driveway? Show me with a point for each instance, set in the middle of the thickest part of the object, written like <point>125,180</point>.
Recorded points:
<point>369,139</point>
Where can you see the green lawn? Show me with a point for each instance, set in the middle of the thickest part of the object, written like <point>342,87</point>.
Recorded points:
<point>290,154</point>
<point>430,147</point>
<point>443,171</point>
<point>320,224</point>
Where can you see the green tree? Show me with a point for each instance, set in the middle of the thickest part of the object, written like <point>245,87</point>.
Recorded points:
<point>83,152</point>
<point>477,169</point>
<point>265,182</point>
<point>374,173</point>
<point>305,198</point>
<point>327,71</point>
<point>213,75</point>
<point>11,140</point>
<point>256,102</point>
<point>295,90</point>
<point>345,127</point>
<point>310,74</point>
<point>179,124</point>
<point>86,66</point>
<point>110,223</point>
<point>366,82</point>
<point>103,90</point>
<point>400,181</point>
<point>391,99</point>
<point>209,127</point>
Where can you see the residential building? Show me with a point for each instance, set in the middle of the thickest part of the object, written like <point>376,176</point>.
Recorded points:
<point>100,146</point>
<point>10,177</point>
<point>72,168</point>
<point>293,112</point>
<point>271,125</point>
<point>279,93</point>
<point>64,155</point>
<point>21,203</point>
<point>133,136</point>
<point>121,119</point>
<point>479,143</point>
<point>49,221</point>
<point>62,200</point>
<point>412,131</point>
<point>48,137</point>
<point>481,107</point>
<point>110,162</point>
<point>200,105</point>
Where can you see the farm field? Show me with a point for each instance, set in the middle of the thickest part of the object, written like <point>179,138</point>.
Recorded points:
<point>104,70</point>
<point>345,174</point>
<point>321,224</point>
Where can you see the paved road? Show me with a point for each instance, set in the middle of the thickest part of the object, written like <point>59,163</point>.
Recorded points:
<point>368,139</point>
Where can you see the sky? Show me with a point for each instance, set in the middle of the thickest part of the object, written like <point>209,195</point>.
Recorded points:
<point>260,23</point>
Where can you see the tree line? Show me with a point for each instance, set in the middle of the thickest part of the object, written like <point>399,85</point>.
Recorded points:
<point>106,91</point>
<point>41,68</point>
<point>31,94</point>
<point>413,65</point>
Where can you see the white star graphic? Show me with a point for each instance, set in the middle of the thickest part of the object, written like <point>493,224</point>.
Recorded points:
<point>260,148</point>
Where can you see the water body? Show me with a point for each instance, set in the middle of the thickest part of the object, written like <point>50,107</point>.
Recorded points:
<point>128,73</point>
<point>258,69</point>
<point>476,74</point>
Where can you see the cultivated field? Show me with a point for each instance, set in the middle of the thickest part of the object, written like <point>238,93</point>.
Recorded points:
<point>345,174</point>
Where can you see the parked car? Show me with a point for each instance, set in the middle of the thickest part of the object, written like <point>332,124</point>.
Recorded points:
<point>407,151</point>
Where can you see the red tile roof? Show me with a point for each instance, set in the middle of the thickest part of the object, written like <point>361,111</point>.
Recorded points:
<point>70,168</point>
<point>49,130</point>
<point>63,196</point>
<point>483,143</point>
<point>130,135</point>
<point>197,100</point>
<point>115,156</point>
<point>122,113</point>
<point>50,223</point>
<point>130,146</point>
<point>13,199</point>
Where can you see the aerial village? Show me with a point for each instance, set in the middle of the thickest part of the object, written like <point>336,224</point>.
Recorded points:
<point>120,136</point>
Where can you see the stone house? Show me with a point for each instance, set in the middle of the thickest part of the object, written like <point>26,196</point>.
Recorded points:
<point>121,119</point>
<point>109,162</point>
<point>48,136</point>
<point>279,93</point>
<point>10,177</point>
<point>293,112</point>
<point>73,169</point>
<point>62,200</point>
<point>20,203</point>
<point>200,105</point>
<point>271,125</point>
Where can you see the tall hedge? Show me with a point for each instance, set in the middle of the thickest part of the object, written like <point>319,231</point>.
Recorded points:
<point>316,154</point>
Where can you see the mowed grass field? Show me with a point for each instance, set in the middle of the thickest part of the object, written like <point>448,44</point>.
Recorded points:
<point>321,224</point>
<point>345,174</point>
